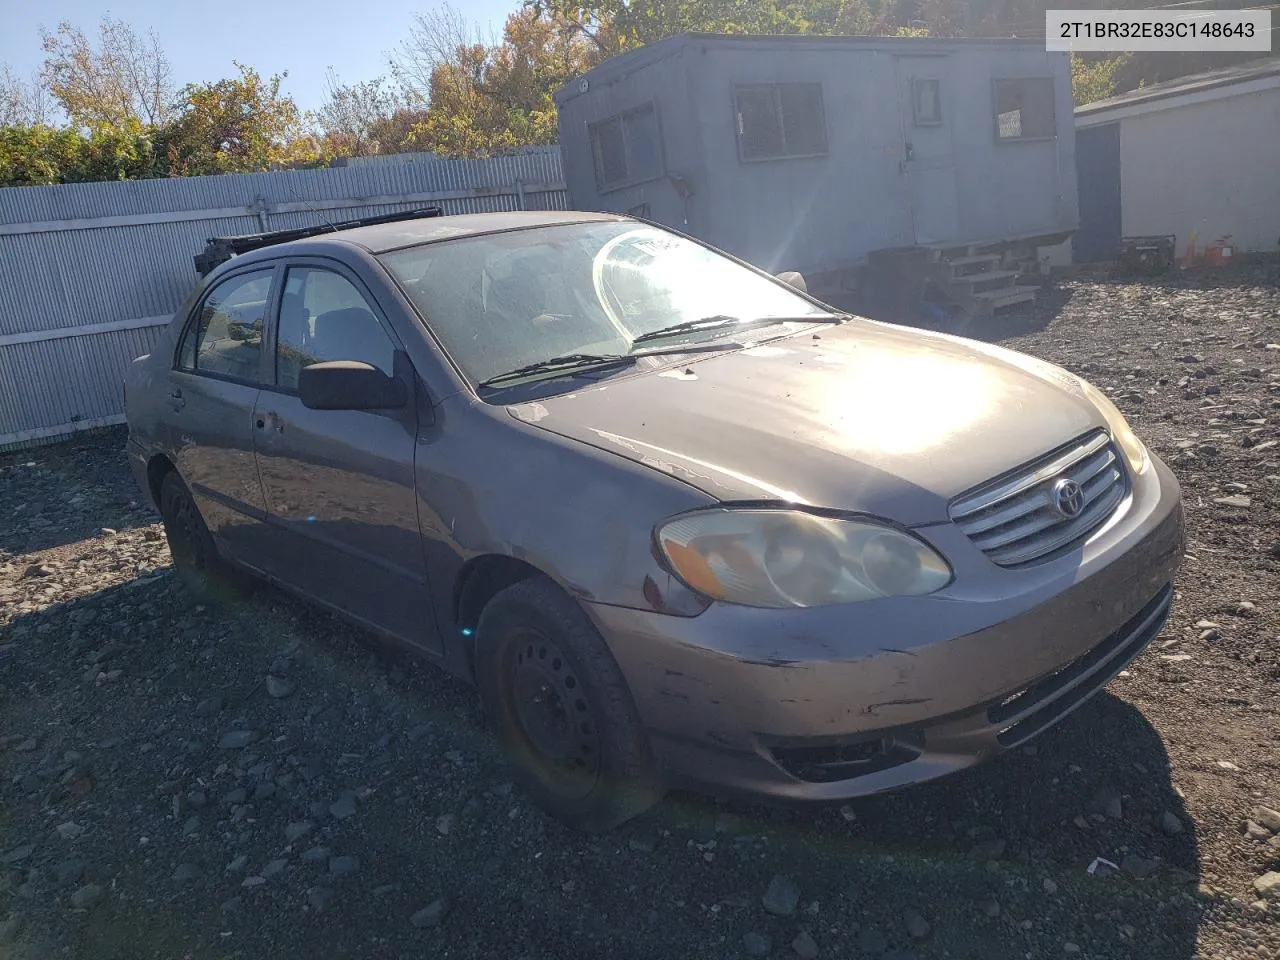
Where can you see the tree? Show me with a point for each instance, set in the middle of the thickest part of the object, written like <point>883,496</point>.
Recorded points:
<point>36,155</point>
<point>1093,80</point>
<point>353,112</point>
<point>123,81</point>
<point>21,103</point>
<point>483,98</point>
<point>238,125</point>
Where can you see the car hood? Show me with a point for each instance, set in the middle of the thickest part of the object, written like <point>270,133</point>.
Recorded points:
<point>865,417</point>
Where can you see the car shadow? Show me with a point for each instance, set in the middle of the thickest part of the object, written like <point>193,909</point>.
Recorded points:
<point>1080,837</point>
<point>113,685</point>
<point>67,492</point>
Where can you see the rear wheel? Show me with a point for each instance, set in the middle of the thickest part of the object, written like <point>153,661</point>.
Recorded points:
<point>562,709</point>
<point>202,571</point>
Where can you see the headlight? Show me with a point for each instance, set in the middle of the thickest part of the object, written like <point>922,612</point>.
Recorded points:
<point>786,558</point>
<point>1133,449</point>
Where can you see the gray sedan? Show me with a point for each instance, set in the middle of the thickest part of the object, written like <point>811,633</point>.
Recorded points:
<point>678,521</point>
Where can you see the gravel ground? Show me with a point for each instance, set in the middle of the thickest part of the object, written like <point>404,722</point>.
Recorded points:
<point>265,782</point>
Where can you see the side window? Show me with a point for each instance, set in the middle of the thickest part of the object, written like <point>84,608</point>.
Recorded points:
<point>1024,108</point>
<point>324,317</point>
<point>779,120</point>
<point>226,336</point>
<point>926,101</point>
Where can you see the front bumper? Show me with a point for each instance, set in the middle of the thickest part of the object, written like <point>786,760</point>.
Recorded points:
<point>834,702</point>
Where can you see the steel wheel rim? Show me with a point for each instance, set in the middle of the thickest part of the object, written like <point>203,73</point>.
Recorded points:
<point>553,715</point>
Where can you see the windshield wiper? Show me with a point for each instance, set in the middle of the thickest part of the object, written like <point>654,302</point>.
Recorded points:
<point>568,362</point>
<point>723,320</point>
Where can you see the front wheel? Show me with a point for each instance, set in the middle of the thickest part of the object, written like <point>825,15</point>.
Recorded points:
<point>562,709</point>
<point>195,558</point>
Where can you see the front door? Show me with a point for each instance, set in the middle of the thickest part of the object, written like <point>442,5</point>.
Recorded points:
<point>927,165</point>
<point>339,484</point>
<point>212,394</point>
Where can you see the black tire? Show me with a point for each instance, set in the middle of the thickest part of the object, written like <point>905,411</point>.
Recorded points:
<point>561,708</point>
<point>206,576</point>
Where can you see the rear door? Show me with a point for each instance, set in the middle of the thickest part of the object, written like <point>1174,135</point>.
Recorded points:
<point>211,398</point>
<point>339,484</point>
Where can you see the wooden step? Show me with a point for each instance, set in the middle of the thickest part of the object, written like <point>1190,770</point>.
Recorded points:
<point>1006,296</point>
<point>994,277</point>
<point>981,260</point>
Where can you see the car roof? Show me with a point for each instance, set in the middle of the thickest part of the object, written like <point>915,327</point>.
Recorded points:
<point>388,236</point>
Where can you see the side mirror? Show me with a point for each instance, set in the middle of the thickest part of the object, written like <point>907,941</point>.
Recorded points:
<point>795,279</point>
<point>349,385</point>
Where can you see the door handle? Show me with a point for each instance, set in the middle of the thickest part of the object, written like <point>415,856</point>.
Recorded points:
<point>176,400</point>
<point>277,424</point>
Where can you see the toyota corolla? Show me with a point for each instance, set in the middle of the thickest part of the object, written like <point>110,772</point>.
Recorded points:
<point>678,521</point>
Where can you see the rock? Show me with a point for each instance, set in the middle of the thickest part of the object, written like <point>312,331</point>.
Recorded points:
<point>1138,866</point>
<point>69,871</point>
<point>237,739</point>
<point>1236,487</point>
<point>28,746</point>
<point>318,898</point>
<point>185,873</point>
<point>272,868</point>
<point>917,926</point>
<point>86,896</point>
<point>756,944</point>
<point>315,854</point>
<point>1267,886</point>
<point>781,896</point>
<point>1267,817</point>
<point>991,907</point>
<point>444,823</point>
<point>208,707</point>
<point>1256,831</point>
<point>238,864</point>
<point>278,688</point>
<point>344,806</point>
<point>643,843</point>
<point>805,946</point>
<point>10,927</point>
<point>341,866</point>
<point>431,914</point>
<point>1070,947</point>
<point>230,906</point>
<point>1106,801</point>
<point>1245,608</point>
<point>1170,825</point>
<point>297,830</point>
<point>1228,766</point>
<point>1049,886</point>
<point>197,799</point>
<point>233,798</point>
<point>191,826</point>
<point>69,830</point>
<point>872,942</point>
<point>254,881</point>
<point>987,850</point>
<point>385,889</point>
<point>18,854</point>
<point>1234,500</point>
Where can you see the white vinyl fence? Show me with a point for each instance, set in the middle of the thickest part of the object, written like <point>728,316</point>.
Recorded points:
<point>90,271</point>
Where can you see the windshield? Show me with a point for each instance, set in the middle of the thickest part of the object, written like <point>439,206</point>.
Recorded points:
<point>501,301</point>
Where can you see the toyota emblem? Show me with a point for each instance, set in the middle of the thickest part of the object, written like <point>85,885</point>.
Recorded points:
<point>1067,498</point>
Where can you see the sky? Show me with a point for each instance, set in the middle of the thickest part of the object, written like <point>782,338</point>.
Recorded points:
<point>202,39</point>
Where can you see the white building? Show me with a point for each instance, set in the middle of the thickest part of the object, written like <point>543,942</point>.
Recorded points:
<point>1194,157</point>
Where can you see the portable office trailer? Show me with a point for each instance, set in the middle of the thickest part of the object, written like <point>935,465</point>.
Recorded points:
<point>807,153</point>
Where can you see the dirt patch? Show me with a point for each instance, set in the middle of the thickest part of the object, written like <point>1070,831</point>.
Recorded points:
<point>184,782</point>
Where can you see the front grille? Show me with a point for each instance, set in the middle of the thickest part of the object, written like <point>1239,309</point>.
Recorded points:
<point>1013,519</point>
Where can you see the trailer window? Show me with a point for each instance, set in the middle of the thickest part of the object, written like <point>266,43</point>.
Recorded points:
<point>926,101</point>
<point>1024,109</point>
<point>778,120</point>
<point>626,148</point>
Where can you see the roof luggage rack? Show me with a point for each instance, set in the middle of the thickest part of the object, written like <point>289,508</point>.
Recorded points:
<point>221,249</point>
